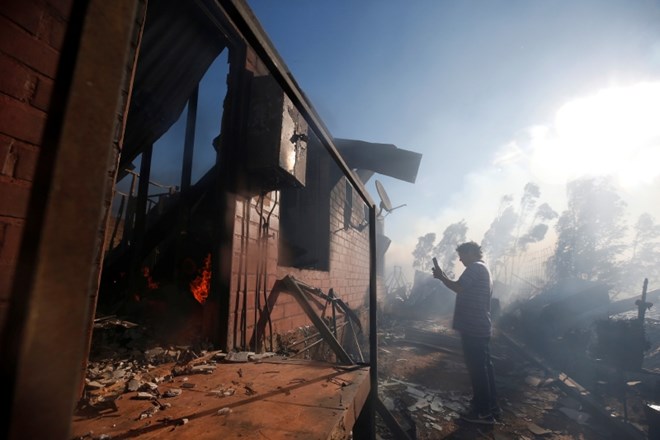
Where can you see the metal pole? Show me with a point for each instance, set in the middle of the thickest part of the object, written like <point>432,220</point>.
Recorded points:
<point>189,144</point>
<point>334,312</point>
<point>373,323</point>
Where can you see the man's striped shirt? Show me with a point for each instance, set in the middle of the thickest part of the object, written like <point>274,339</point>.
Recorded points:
<point>472,310</point>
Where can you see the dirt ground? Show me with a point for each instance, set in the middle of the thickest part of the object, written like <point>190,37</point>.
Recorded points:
<point>425,386</point>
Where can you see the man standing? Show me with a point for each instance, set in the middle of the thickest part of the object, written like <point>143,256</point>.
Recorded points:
<point>474,290</point>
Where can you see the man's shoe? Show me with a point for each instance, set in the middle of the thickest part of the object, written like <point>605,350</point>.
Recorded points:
<point>481,418</point>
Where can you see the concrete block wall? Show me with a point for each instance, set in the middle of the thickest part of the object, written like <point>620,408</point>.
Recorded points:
<point>31,38</point>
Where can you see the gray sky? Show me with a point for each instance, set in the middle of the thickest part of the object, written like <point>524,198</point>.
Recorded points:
<point>493,93</point>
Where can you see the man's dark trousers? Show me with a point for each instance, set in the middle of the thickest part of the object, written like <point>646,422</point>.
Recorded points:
<point>476,352</point>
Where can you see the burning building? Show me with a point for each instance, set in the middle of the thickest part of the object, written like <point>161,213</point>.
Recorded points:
<point>237,233</point>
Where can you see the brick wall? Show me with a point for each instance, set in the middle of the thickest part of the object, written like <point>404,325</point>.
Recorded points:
<point>349,250</point>
<point>255,266</point>
<point>255,269</point>
<point>31,37</point>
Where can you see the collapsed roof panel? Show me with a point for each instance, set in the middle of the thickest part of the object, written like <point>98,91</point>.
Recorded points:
<point>385,159</point>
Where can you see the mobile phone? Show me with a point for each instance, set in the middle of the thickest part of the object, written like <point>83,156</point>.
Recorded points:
<point>435,263</point>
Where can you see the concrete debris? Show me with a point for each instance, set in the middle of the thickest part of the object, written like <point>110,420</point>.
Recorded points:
<point>436,404</point>
<point>455,406</point>
<point>224,411</point>
<point>420,404</point>
<point>223,392</point>
<point>260,356</point>
<point>533,381</point>
<point>537,430</point>
<point>172,392</point>
<point>148,413</point>
<point>93,384</point>
<point>131,366</point>
<point>200,368</point>
<point>415,392</point>
<point>579,416</point>
<point>205,369</point>
<point>149,386</point>
<point>389,403</point>
<point>154,352</point>
<point>238,356</point>
<point>133,385</point>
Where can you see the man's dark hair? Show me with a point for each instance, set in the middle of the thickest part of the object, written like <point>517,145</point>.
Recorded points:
<point>470,247</point>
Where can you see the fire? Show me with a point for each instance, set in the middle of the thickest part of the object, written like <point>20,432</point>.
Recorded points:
<point>200,286</point>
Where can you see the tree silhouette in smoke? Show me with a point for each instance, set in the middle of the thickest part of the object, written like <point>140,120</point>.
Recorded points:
<point>445,250</point>
<point>512,231</point>
<point>499,239</point>
<point>538,227</point>
<point>422,253</point>
<point>590,233</point>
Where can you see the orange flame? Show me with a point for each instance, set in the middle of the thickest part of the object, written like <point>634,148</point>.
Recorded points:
<point>200,286</point>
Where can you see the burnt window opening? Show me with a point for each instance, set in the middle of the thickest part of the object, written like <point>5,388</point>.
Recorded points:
<point>275,153</point>
<point>158,243</point>
<point>348,207</point>
<point>356,214</point>
<point>304,240</point>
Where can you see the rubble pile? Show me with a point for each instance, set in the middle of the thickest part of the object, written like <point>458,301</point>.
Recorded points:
<point>127,362</point>
<point>423,382</point>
